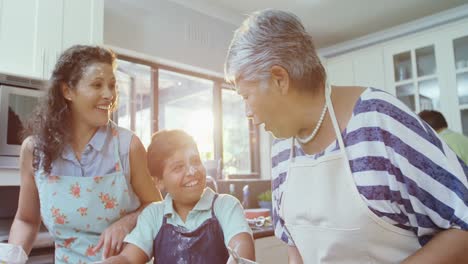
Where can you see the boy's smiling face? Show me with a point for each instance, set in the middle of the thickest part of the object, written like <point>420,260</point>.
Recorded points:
<point>184,176</point>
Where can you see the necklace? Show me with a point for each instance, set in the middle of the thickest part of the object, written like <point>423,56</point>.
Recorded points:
<point>314,132</point>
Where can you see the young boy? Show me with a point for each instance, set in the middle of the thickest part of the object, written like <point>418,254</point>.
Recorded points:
<point>192,224</point>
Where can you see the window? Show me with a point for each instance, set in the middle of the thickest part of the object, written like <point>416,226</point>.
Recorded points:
<point>186,103</point>
<point>135,99</point>
<point>154,97</point>
<point>236,144</point>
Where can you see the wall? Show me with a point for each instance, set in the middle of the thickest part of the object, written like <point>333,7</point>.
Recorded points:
<point>169,32</point>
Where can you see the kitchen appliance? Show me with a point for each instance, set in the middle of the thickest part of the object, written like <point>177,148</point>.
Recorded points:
<point>18,98</point>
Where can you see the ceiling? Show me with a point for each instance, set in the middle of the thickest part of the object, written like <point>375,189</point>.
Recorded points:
<point>330,21</point>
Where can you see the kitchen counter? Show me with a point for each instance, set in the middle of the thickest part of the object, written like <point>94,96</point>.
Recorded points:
<point>43,239</point>
<point>261,232</point>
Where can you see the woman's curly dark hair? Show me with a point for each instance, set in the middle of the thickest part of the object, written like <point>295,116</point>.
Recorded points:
<point>49,125</point>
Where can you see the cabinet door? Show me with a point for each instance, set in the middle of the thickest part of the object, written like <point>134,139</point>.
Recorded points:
<point>413,73</point>
<point>49,36</point>
<point>340,70</point>
<point>458,69</point>
<point>17,36</point>
<point>368,67</point>
<point>83,22</point>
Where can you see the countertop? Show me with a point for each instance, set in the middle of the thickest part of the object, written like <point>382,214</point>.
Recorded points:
<point>43,239</point>
<point>264,231</point>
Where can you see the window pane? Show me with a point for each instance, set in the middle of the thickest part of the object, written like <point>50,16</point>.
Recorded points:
<point>406,94</point>
<point>429,94</point>
<point>236,144</point>
<point>425,61</point>
<point>135,99</point>
<point>186,103</point>
<point>402,66</point>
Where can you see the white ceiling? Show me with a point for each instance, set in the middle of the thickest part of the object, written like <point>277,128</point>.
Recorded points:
<point>330,21</point>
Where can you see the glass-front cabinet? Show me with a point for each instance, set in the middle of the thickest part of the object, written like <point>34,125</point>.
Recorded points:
<point>429,71</point>
<point>415,78</point>
<point>460,52</point>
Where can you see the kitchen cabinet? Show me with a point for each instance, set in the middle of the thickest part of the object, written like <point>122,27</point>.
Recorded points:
<point>340,70</point>
<point>363,68</point>
<point>271,250</point>
<point>427,69</point>
<point>17,36</point>
<point>33,33</point>
<point>415,74</point>
<point>457,60</point>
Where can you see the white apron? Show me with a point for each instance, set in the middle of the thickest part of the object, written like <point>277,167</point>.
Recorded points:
<point>327,218</point>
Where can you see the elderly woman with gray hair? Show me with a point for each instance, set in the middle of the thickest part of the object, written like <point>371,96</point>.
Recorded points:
<point>357,177</point>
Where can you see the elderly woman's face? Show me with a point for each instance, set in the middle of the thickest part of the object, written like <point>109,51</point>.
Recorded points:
<point>263,106</point>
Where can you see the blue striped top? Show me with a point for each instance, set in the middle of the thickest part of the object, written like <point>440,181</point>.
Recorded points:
<point>403,171</point>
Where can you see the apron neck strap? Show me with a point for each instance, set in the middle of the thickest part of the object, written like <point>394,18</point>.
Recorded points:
<point>331,110</point>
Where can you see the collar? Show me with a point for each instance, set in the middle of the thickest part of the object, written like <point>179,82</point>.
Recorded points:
<point>203,204</point>
<point>96,142</point>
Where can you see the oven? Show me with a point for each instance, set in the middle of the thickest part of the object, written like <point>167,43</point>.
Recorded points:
<point>18,98</point>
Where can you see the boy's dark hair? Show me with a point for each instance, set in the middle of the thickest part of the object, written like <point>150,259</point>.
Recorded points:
<point>434,118</point>
<point>163,145</point>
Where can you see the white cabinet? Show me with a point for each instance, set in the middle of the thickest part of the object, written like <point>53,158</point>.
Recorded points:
<point>457,68</point>
<point>426,70</point>
<point>33,33</point>
<point>17,36</point>
<point>368,68</point>
<point>362,68</point>
<point>415,73</point>
<point>430,71</point>
<point>340,70</point>
<point>271,250</point>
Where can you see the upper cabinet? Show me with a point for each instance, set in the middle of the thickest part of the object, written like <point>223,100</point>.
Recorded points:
<point>17,36</point>
<point>425,70</point>
<point>457,40</point>
<point>414,73</point>
<point>33,33</point>
<point>363,68</point>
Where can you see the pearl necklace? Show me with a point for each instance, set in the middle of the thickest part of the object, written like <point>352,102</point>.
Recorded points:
<point>314,132</point>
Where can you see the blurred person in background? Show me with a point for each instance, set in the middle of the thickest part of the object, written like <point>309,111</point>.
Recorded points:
<point>456,141</point>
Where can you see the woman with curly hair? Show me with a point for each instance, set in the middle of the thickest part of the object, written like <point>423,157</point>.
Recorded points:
<point>82,175</point>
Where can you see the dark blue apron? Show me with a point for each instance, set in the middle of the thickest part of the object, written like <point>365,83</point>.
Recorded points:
<point>205,244</point>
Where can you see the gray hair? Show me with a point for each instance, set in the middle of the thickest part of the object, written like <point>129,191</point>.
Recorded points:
<point>272,37</point>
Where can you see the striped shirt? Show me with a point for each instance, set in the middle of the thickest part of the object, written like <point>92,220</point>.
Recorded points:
<point>403,171</point>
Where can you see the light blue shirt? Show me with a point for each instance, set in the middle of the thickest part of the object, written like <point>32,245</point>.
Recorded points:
<point>98,156</point>
<point>227,209</point>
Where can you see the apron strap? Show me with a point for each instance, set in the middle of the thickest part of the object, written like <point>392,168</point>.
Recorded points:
<point>336,127</point>
<point>212,206</point>
<point>116,142</point>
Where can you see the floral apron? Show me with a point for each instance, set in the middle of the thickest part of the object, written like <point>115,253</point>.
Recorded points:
<point>76,210</point>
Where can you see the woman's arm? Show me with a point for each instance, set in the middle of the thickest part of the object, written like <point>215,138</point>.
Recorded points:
<point>243,244</point>
<point>28,216</point>
<point>142,184</point>
<point>449,246</point>
<point>293,255</point>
